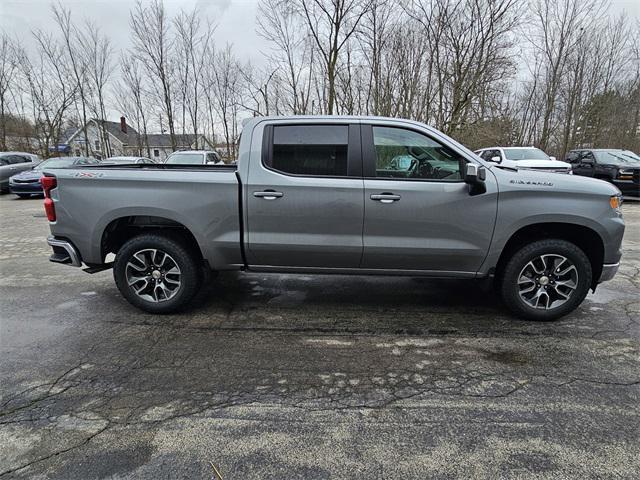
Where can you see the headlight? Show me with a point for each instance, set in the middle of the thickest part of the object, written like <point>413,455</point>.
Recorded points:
<point>625,174</point>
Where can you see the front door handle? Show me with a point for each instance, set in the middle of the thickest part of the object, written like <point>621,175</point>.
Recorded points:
<point>385,197</point>
<point>268,195</point>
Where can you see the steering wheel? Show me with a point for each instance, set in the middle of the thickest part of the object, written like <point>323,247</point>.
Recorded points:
<point>424,170</point>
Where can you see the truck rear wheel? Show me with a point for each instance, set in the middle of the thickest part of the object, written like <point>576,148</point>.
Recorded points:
<point>545,280</point>
<point>157,273</point>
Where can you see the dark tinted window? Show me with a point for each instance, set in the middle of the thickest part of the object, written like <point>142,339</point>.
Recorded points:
<point>572,157</point>
<point>18,159</point>
<point>407,154</point>
<point>310,150</point>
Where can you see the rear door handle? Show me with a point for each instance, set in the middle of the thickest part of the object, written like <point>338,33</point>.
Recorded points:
<point>385,197</point>
<point>268,195</point>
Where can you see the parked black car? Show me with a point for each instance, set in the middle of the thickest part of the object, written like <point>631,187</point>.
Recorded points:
<point>620,167</point>
<point>27,183</point>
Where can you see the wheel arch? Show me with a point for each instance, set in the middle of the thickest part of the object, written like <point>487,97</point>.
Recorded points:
<point>120,230</point>
<point>587,239</point>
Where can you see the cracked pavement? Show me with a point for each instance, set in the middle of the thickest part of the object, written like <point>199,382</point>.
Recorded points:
<point>294,376</point>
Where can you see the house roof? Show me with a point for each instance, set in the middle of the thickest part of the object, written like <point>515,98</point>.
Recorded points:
<point>113,128</point>
<point>164,140</point>
<point>129,138</point>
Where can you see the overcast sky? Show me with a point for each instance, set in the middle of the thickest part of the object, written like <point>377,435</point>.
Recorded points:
<point>235,19</point>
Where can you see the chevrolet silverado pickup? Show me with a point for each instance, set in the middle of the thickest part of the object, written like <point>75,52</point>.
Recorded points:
<point>347,195</point>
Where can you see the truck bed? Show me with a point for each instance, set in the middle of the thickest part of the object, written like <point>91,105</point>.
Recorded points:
<point>202,198</point>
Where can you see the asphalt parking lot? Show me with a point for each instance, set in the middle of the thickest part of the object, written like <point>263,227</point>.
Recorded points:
<point>285,376</point>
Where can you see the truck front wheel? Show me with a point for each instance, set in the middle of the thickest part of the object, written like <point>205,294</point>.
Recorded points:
<point>545,280</point>
<point>157,273</point>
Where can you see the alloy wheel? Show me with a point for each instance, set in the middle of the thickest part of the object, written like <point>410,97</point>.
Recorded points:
<point>547,281</point>
<point>153,275</point>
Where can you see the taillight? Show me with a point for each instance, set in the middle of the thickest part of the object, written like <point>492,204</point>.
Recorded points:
<point>48,184</point>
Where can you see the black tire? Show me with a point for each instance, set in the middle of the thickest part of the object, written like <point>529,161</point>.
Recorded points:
<point>24,195</point>
<point>187,261</point>
<point>510,275</point>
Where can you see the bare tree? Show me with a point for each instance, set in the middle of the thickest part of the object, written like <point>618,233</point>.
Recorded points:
<point>72,56</point>
<point>193,40</point>
<point>560,25</point>
<point>50,92</point>
<point>8,71</point>
<point>224,82</point>
<point>290,57</point>
<point>132,100</point>
<point>98,53</point>
<point>154,48</point>
<point>331,24</point>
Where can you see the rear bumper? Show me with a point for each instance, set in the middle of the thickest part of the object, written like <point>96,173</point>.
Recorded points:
<point>64,252</point>
<point>608,271</point>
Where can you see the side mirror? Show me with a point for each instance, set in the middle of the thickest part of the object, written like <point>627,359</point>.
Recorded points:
<point>551,157</point>
<point>474,176</point>
<point>495,159</point>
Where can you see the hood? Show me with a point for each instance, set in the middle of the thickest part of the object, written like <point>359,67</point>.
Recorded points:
<point>623,165</point>
<point>541,181</point>
<point>539,164</point>
<point>28,175</point>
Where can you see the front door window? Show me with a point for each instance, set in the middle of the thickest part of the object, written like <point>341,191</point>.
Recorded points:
<point>406,154</point>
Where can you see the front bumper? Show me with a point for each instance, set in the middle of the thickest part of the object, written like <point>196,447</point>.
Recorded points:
<point>64,252</point>
<point>31,187</point>
<point>608,271</point>
<point>629,188</point>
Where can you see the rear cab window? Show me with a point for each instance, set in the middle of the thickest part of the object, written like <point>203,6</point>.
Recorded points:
<point>308,150</point>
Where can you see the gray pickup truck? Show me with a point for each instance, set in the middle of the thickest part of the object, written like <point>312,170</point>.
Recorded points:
<point>347,195</point>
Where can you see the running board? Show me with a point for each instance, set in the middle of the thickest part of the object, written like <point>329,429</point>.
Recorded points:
<point>98,268</point>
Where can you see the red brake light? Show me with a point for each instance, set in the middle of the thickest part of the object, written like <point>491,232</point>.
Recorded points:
<point>48,184</point>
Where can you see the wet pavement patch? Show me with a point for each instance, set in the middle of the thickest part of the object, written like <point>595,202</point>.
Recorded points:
<point>292,376</point>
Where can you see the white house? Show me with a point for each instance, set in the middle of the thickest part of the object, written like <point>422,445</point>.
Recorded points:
<point>108,139</point>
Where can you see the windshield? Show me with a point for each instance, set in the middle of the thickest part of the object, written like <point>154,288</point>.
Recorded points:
<point>55,163</point>
<point>186,159</point>
<point>617,156</point>
<point>525,154</point>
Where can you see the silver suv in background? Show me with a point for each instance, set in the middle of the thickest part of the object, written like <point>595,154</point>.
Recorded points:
<point>12,163</point>
<point>194,157</point>
<point>529,158</point>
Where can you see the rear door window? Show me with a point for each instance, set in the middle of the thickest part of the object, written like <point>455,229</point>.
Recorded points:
<point>14,159</point>
<point>310,150</point>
